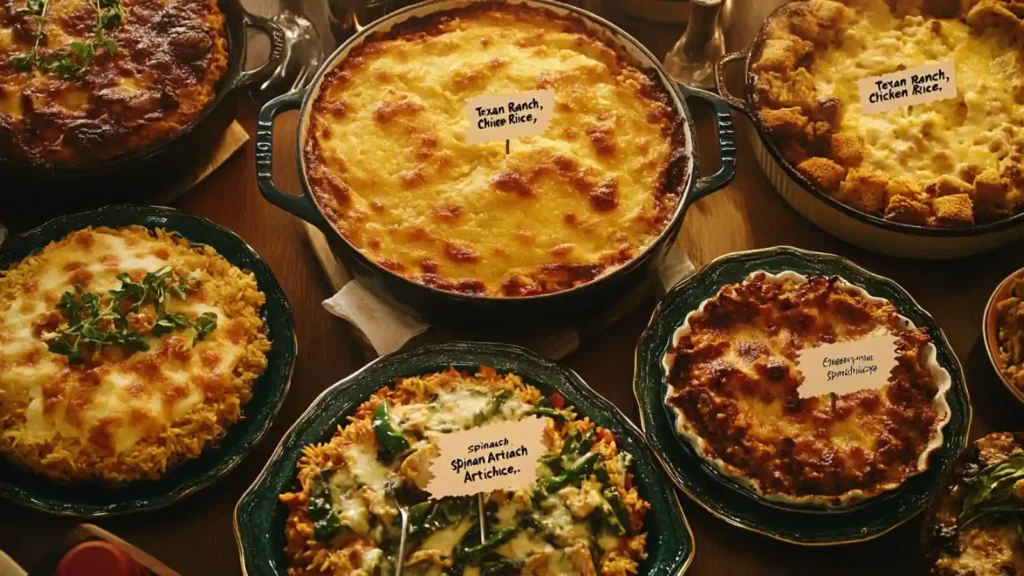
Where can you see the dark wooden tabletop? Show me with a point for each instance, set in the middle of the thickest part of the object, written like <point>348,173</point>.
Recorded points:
<point>195,535</point>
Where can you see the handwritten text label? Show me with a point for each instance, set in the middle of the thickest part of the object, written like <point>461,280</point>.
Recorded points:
<point>919,85</point>
<point>498,456</point>
<point>847,367</point>
<point>506,116</point>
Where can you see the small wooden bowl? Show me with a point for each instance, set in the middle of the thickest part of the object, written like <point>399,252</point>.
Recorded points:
<point>990,332</point>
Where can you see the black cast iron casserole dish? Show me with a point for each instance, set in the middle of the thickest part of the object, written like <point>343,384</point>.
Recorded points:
<point>849,224</point>
<point>126,175</point>
<point>450,309</point>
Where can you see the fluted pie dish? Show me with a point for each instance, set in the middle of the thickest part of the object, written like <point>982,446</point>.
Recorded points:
<point>707,397</point>
<point>734,387</point>
<point>560,224</point>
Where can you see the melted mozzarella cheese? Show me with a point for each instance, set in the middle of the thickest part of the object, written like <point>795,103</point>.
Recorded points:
<point>123,398</point>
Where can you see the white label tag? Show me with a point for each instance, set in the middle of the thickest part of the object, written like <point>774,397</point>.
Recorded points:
<point>847,367</point>
<point>505,116</point>
<point>908,87</point>
<point>498,456</point>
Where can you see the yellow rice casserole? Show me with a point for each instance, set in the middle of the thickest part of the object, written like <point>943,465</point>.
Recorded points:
<point>588,526</point>
<point>118,414</point>
<point>950,163</point>
<point>386,156</point>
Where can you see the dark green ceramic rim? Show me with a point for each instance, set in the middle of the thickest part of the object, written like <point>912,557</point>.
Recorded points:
<point>724,498</point>
<point>269,390</point>
<point>260,518</point>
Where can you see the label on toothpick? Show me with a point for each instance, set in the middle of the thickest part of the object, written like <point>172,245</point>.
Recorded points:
<point>498,456</point>
<point>919,85</point>
<point>847,367</point>
<point>506,116</point>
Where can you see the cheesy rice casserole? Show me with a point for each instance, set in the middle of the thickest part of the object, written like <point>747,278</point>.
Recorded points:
<point>124,351</point>
<point>386,155</point>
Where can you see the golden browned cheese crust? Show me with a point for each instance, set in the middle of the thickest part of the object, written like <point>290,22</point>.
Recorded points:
<point>386,155</point>
<point>119,414</point>
<point>951,163</point>
<point>734,379</point>
<point>987,547</point>
<point>170,57</point>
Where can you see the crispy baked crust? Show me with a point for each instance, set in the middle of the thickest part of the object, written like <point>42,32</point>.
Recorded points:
<point>170,58</point>
<point>386,157</point>
<point>988,547</point>
<point>733,379</point>
<point>851,159</point>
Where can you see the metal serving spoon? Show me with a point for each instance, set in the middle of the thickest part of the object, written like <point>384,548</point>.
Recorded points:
<point>403,509</point>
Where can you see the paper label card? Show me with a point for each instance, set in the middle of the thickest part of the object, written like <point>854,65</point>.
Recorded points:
<point>902,88</point>
<point>847,367</point>
<point>506,116</point>
<point>498,456</point>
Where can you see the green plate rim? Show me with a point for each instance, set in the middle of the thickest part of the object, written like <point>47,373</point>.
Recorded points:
<point>214,462</point>
<point>258,513</point>
<point>716,493</point>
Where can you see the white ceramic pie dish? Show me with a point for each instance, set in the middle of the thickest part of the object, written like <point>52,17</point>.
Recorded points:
<point>689,431</point>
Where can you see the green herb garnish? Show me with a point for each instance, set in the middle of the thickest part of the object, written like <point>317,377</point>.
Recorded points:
<point>995,492</point>
<point>73,61</point>
<point>92,323</point>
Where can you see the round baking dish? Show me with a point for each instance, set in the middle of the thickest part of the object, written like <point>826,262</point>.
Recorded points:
<point>92,499</point>
<point>450,309</point>
<point>123,176</point>
<point>259,518</point>
<point>849,224</point>
<point>990,332</point>
<point>736,504</point>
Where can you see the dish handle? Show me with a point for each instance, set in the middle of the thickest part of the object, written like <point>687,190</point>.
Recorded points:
<point>723,87</point>
<point>277,49</point>
<point>301,205</point>
<point>705,185</point>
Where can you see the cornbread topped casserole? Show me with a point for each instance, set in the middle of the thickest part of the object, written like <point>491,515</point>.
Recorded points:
<point>581,517</point>
<point>974,525</point>
<point>386,155</point>
<point>123,352</point>
<point>733,378</point>
<point>948,163</point>
<point>86,80</point>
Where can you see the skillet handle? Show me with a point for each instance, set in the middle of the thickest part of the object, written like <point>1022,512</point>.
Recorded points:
<point>301,205</point>
<point>277,48</point>
<point>705,185</point>
<point>723,87</point>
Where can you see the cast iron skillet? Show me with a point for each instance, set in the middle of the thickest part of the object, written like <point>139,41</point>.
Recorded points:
<point>140,171</point>
<point>745,104</point>
<point>488,314</point>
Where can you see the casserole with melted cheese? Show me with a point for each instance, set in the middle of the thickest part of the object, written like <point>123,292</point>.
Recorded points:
<point>124,351</point>
<point>950,163</point>
<point>733,376</point>
<point>973,525</point>
<point>386,156</point>
<point>343,518</point>
<point>75,100</point>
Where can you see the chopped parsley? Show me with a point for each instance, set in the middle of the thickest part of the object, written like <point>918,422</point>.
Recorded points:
<point>91,324</point>
<point>71,62</point>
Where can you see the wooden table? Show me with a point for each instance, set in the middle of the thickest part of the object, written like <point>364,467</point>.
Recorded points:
<point>195,536</point>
